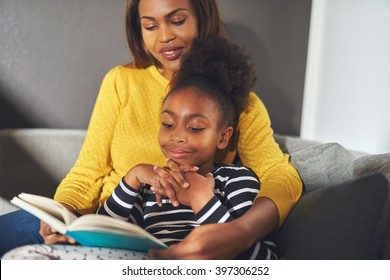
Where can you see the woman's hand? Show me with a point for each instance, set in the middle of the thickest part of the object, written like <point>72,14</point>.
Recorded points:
<point>225,241</point>
<point>171,178</point>
<point>51,236</point>
<point>211,241</point>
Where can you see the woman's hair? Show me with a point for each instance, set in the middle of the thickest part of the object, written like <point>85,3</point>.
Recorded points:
<point>209,26</point>
<point>218,70</point>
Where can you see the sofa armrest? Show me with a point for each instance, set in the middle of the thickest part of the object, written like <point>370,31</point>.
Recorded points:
<point>36,160</point>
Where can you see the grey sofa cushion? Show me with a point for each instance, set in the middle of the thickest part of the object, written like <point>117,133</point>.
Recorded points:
<point>372,163</point>
<point>290,144</point>
<point>347,221</point>
<point>323,165</point>
<point>6,207</point>
<point>36,160</point>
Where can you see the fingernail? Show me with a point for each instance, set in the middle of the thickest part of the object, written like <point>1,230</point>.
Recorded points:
<point>186,185</point>
<point>197,168</point>
<point>166,159</point>
<point>153,189</point>
<point>175,203</point>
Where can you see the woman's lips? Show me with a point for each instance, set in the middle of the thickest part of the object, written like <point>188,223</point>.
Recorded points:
<point>171,53</point>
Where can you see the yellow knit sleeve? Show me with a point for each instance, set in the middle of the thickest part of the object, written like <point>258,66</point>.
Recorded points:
<point>82,186</point>
<point>258,150</point>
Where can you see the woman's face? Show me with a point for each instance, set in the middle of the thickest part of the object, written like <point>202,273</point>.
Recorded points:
<point>168,28</point>
<point>190,130</point>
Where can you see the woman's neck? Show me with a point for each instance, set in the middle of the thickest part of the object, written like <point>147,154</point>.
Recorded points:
<point>166,73</point>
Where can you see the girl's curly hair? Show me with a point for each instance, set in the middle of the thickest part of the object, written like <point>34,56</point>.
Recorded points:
<point>218,70</point>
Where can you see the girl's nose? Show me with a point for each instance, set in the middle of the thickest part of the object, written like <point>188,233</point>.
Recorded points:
<point>178,137</point>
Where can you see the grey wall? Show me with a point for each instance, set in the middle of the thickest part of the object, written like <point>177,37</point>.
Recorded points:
<point>54,54</point>
<point>347,93</point>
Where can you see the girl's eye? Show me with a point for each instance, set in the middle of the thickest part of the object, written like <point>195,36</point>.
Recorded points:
<point>167,125</point>
<point>195,129</point>
<point>178,22</point>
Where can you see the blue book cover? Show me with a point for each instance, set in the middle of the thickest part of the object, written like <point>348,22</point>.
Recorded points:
<point>98,238</point>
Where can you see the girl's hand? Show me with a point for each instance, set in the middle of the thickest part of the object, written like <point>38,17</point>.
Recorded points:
<point>142,173</point>
<point>200,192</point>
<point>160,181</point>
<point>51,236</point>
<point>171,177</point>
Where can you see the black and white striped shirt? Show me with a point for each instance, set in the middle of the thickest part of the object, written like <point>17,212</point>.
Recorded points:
<point>235,190</point>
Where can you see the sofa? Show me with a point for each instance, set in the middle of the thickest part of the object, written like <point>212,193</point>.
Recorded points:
<point>344,211</point>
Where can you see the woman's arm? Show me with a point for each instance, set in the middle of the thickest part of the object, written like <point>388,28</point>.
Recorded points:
<point>258,150</point>
<point>207,242</point>
<point>82,185</point>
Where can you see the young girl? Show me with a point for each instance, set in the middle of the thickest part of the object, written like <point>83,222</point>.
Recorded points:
<point>198,118</point>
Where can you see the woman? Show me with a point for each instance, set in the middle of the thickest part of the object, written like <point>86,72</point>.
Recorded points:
<point>124,126</point>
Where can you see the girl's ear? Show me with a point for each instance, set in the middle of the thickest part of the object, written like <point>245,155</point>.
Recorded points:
<point>226,134</point>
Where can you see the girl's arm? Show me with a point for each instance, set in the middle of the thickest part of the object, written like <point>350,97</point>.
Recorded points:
<point>239,187</point>
<point>239,235</point>
<point>239,191</point>
<point>121,202</point>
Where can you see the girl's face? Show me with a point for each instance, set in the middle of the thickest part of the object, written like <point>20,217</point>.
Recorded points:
<point>190,130</point>
<point>168,28</point>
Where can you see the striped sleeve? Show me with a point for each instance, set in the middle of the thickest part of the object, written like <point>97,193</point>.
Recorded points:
<point>240,192</point>
<point>240,186</point>
<point>213,212</point>
<point>261,250</point>
<point>125,203</point>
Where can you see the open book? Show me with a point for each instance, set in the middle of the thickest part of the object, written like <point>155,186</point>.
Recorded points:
<point>90,230</point>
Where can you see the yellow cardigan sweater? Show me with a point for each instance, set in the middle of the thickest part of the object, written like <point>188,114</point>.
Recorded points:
<point>123,132</point>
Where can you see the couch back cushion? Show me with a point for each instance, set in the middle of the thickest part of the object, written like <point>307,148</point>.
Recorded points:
<point>36,160</point>
<point>324,165</point>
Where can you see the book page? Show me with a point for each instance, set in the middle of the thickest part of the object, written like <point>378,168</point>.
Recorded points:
<point>40,214</point>
<point>50,206</point>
